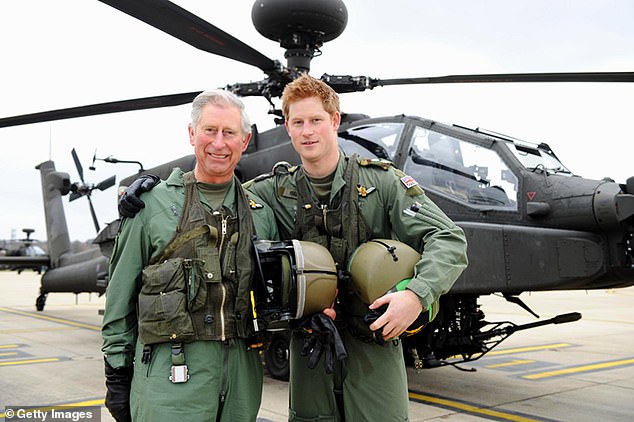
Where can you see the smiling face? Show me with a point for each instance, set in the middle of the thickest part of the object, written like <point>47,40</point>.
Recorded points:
<point>314,135</point>
<point>218,142</point>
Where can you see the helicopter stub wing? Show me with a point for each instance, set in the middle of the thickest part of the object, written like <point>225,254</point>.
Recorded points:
<point>24,261</point>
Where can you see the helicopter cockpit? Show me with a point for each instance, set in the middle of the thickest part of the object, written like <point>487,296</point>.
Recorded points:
<point>535,158</point>
<point>463,171</point>
<point>453,168</point>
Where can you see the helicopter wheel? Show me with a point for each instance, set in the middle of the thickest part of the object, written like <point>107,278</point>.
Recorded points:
<point>276,356</point>
<point>40,301</point>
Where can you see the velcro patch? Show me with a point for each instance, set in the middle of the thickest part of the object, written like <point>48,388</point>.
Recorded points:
<point>408,181</point>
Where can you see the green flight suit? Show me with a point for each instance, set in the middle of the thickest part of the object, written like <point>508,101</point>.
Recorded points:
<point>372,380</point>
<point>214,366</point>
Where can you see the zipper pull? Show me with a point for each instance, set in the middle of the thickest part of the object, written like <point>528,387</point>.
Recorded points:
<point>224,225</point>
<point>324,211</point>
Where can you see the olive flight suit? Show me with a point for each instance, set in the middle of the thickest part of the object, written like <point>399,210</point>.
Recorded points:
<point>368,199</point>
<point>156,322</point>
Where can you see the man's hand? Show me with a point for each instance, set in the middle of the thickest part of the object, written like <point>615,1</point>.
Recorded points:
<point>118,383</point>
<point>402,310</point>
<point>130,203</point>
<point>331,311</point>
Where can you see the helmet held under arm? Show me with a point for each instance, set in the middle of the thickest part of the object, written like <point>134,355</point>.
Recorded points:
<point>294,279</point>
<point>382,266</point>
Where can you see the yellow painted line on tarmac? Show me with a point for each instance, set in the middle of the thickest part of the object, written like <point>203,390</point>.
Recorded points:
<point>579,369</point>
<point>9,346</point>
<point>86,403</point>
<point>511,363</point>
<point>53,319</point>
<point>8,354</point>
<point>36,330</point>
<point>468,408</point>
<point>29,361</point>
<point>527,349</point>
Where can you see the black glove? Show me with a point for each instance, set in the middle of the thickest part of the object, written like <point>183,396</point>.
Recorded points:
<point>118,383</point>
<point>377,336</point>
<point>130,203</point>
<point>322,338</point>
<point>372,316</point>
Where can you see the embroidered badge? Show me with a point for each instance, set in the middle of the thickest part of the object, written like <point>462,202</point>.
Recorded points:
<point>408,181</point>
<point>254,205</point>
<point>363,191</point>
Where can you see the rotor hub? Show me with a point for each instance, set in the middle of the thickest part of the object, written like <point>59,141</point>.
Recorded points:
<point>300,27</point>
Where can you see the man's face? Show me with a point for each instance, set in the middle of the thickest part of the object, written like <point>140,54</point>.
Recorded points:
<point>312,130</point>
<point>218,143</point>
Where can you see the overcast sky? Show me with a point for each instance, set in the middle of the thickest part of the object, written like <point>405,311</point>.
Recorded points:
<point>75,52</point>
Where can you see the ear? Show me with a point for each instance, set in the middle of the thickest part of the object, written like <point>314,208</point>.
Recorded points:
<point>336,120</point>
<point>190,129</point>
<point>286,126</point>
<point>245,144</point>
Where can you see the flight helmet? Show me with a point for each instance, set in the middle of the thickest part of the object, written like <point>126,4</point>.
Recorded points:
<point>294,279</point>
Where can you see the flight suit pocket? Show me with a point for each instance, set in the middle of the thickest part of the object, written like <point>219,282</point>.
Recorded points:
<point>163,302</point>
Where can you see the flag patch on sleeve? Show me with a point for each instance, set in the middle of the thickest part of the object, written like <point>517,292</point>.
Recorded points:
<point>408,181</point>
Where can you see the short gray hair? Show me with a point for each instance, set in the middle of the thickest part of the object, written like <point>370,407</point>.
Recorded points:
<point>224,99</point>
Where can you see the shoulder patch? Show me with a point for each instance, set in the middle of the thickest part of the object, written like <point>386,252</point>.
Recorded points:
<point>412,186</point>
<point>376,162</point>
<point>408,181</point>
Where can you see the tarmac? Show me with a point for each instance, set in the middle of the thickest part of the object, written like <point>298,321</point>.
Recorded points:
<point>579,371</point>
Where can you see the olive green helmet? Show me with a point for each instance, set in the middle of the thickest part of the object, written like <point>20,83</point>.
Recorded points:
<point>380,266</point>
<point>294,279</point>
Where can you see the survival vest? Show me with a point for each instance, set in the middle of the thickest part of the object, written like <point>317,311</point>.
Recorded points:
<point>198,287</point>
<point>340,228</point>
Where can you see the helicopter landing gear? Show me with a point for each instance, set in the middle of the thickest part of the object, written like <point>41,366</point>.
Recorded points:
<point>40,301</point>
<point>276,356</point>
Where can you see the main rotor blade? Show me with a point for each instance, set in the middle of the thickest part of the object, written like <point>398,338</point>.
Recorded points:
<point>80,169</point>
<point>187,27</point>
<point>105,184</point>
<point>103,108</point>
<point>93,213</point>
<point>512,77</point>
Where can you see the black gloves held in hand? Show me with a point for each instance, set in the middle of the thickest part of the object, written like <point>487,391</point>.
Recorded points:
<point>322,338</point>
<point>130,203</point>
<point>372,316</point>
<point>118,383</point>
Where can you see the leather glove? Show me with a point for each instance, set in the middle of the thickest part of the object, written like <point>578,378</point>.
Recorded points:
<point>118,383</point>
<point>372,316</point>
<point>377,336</point>
<point>322,339</point>
<point>130,203</point>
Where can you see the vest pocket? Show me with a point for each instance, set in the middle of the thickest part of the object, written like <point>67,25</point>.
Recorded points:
<point>229,266</point>
<point>163,302</point>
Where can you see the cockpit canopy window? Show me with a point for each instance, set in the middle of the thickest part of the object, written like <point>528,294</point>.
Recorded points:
<point>534,158</point>
<point>380,139</point>
<point>461,170</point>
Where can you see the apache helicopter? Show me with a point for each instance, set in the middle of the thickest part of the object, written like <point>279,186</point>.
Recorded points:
<point>65,271</point>
<point>531,224</point>
<point>27,247</point>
